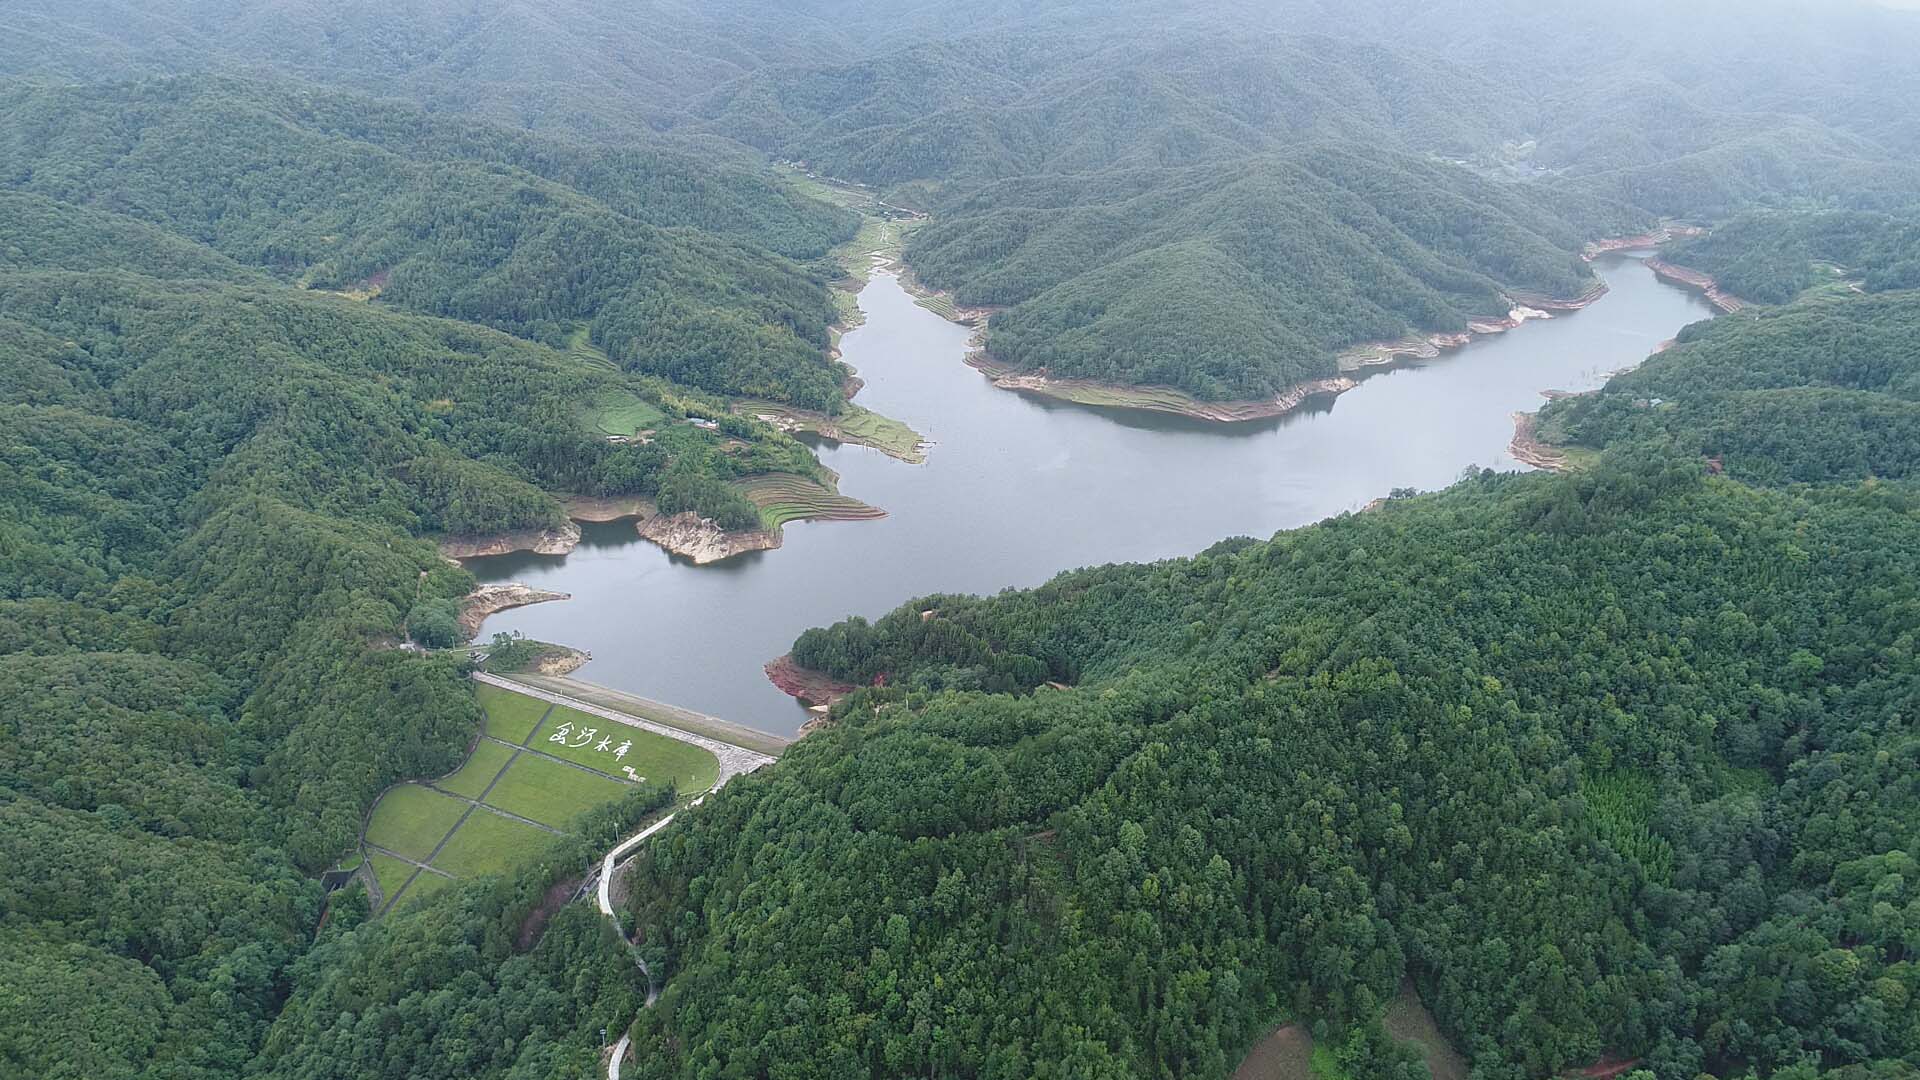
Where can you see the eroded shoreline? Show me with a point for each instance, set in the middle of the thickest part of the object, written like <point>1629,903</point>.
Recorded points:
<point>1357,360</point>
<point>492,599</point>
<point>1699,281</point>
<point>686,534</point>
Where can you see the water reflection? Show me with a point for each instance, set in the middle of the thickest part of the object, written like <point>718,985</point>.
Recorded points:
<point>1018,488</point>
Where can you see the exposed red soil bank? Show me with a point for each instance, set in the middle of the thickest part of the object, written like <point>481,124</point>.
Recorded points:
<point>810,687</point>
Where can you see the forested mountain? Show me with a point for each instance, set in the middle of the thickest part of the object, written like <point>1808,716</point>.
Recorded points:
<point>1617,763</point>
<point>574,65</point>
<point>1000,135</point>
<point>208,493</point>
<point>658,264</point>
<point>1020,105</point>
<point>1825,389</point>
<point>1602,117</point>
<point>1770,258</point>
<point>1239,280</point>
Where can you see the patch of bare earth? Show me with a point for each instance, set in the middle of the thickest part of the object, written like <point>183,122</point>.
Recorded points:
<point>603,509</point>
<point>702,540</point>
<point>811,687</point>
<point>536,921</point>
<point>1286,1053</point>
<point>1527,449</point>
<point>490,599</point>
<point>558,540</point>
<point>1408,1020</point>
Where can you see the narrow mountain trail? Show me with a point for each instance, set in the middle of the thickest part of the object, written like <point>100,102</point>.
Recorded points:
<point>734,761</point>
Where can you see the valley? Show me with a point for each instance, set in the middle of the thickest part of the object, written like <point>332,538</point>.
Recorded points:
<point>1019,488</point>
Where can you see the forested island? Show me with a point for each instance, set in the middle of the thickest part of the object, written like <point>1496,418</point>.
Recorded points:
<point>1614,769</point>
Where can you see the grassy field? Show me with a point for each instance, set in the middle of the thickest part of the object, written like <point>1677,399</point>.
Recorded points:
<point>619,412</point>
<point>856,425</point>
<point>510,716</point>
<point>411,820</point>
<point>514,768</point>
<point>390,872</point>
<point>488,759</point>
<point>551,793</point>
<point>488,844</point>
<point>423,886</point>
<point>883,433</point>
<point>784,497</point>
<point>661,713</point>
<point>940,304</point>
<point>1324,1065</point>
<point>657,758</point>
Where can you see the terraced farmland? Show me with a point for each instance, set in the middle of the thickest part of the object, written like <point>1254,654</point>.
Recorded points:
<point>783,497</point>
<point>580,347</point>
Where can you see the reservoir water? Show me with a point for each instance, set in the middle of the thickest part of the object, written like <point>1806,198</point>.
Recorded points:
<point>1017,489</point>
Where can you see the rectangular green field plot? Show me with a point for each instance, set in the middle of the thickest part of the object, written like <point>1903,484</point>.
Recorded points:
<point>552,793</point>
<point>412,820</point>
<point>488,759</point>
<point>391,873</point>
<point>658,759</point>
<point>423,886</point>
<point>510,716</point>
<point>619,412</point>
<point>490,844</point>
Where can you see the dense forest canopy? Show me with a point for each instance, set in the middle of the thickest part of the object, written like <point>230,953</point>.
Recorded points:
<point>1772,257</point>
<point>1825,389</point>
<point>1600,118</point>
<point>462,221</point>
<point>1617,763</point>
<point>1239,281</point>
<point>211,485</point>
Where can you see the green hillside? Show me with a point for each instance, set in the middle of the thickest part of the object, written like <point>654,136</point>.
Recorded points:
<point>1822,390</point>
<point>1287,773</point>
<point>452,223</point>
<point>1237,281</point>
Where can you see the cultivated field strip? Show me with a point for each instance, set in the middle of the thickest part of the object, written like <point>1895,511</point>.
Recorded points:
<point>784,498</point>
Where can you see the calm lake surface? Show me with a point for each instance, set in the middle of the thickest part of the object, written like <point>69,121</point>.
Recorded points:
<point>1017,489</point>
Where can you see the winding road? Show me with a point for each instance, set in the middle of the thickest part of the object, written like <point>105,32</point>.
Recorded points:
<point>734,761</point>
